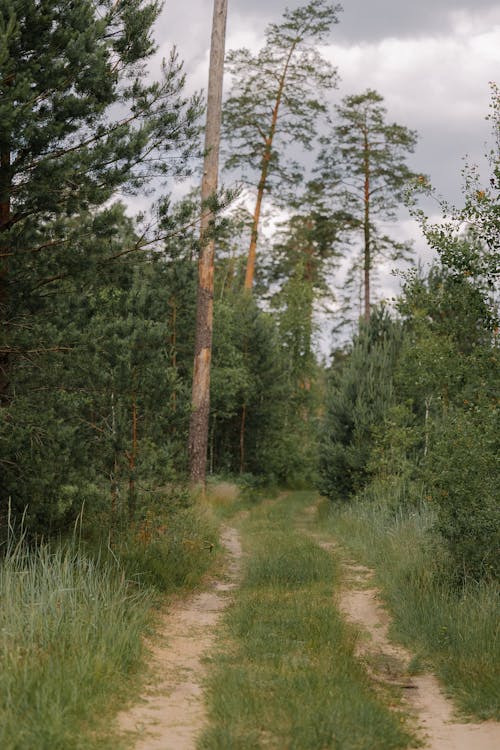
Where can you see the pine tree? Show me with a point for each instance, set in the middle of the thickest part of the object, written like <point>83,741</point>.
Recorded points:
<point>359,395</point>
<point>79,121</point>
<point>363,169</point>
<point>275,102</point>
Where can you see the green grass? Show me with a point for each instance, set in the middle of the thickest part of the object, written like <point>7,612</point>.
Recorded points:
<point>69,639</point>
<point>454,631</point>
<point>168,552</point>
<point>72,620</point>
<point>286,675</point>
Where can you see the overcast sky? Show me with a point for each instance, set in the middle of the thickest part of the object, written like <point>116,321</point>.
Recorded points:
<point>431,60</point>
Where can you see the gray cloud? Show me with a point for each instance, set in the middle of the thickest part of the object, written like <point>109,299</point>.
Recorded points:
<point>371,20</point>
<point>431,79</point>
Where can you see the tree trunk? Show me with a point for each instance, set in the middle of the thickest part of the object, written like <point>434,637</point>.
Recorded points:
<point>5,188</point>
<point>250,270</point>
<point>132,458</point>
<point>198,428</point>
<point>366,226</point>
<point>173,349</point>
<point>242,438</point>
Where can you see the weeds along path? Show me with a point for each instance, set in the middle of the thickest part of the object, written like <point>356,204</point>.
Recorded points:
<point>435,712</point>
<point>388,663</point>
<point>171,714</point>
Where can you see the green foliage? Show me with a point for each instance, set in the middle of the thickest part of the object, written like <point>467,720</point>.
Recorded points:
<point>448,374</point>
<point>474,252</point>
<point>65,68</point>
<point>85,339</point>
<point>254,415</point>
<point>464,476</point>
<point>359,396</point>
<point>440,429</point>
<point>112,346</point>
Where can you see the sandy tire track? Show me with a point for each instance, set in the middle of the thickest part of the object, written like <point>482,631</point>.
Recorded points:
<point>171,714</point>
<point>360,602</point>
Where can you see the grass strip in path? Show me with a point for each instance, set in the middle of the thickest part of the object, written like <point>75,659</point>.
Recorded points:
<point>286,675</point>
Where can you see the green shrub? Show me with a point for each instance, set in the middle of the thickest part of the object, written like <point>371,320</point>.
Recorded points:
<point>464,472</point>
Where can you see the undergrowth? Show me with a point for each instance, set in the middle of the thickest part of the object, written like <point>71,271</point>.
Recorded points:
<point>72,618</point>
<point>69,639</point>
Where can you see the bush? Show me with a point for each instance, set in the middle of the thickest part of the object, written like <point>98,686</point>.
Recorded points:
<point>359,398</point>
<point>464,474</point>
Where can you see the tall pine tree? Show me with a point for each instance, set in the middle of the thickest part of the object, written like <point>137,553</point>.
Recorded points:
<point>274,103</point>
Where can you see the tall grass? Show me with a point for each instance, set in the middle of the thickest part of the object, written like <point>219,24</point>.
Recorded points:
<point>168,551</point>
<point>455,630</point>
<point>72,616</point>
<point>69,639</point>
<point>286,675</point>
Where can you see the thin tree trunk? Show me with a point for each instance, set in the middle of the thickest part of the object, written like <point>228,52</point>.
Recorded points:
<point>5,215</point>
<point>132,458</point>
<point>366,223</point>
<point>426,423</point>
<point>250,270</point>
<point>198,428</point>
<point>242,438</point>
<point>173,345</point>
<point>114,471</point>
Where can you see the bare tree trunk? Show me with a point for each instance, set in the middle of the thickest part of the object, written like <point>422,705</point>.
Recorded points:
<point>198,428</point>
<point>132,458</point>
<point>250,270</point>
<point>428,402</point>
<point>173,348</point>
<point>366,225</point>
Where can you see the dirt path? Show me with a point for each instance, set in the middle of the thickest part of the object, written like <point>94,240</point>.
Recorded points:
<point>388,662</point>
<point>172,714</point>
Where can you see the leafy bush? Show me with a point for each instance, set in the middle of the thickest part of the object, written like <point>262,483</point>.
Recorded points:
<point>464,474</point>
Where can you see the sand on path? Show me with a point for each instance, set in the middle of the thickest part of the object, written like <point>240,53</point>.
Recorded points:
<point>171,714</point>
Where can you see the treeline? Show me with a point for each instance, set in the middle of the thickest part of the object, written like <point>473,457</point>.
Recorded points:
<point>98,309</point>
<point>413,412</point>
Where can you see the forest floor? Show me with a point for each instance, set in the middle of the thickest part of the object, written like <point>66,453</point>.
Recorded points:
<point>174,711</point>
